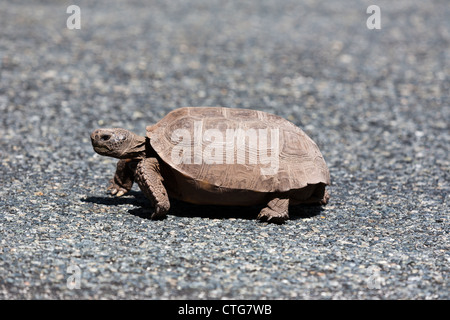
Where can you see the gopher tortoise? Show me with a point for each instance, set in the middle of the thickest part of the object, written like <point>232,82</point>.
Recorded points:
<point>218,156</point>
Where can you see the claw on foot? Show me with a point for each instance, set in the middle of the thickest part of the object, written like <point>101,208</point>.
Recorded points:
<point>120,193</point>
<point>114,189</point>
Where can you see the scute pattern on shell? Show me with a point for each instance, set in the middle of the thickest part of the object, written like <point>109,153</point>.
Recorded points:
<point>300,161</point>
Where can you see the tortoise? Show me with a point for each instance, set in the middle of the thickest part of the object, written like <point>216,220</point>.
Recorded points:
<point>218,156</point>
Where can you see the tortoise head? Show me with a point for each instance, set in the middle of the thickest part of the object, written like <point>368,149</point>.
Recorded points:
<point>118,143</point>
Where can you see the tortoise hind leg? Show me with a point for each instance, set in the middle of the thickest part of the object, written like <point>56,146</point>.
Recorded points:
<point>326,198</point>
<point>150,180</point>
<point>277,210</point>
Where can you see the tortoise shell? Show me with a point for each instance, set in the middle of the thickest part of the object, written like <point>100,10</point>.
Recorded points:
<point>237,149</point>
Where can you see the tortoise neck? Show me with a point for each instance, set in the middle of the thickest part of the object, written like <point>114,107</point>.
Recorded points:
<point>136,149</point>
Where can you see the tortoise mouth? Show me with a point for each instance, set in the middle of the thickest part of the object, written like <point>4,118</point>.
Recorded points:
<point>101,150</point>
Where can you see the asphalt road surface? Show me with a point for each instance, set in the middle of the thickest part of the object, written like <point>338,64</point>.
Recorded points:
<point>376,101</point>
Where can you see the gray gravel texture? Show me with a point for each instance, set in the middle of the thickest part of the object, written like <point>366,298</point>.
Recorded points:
<point>376,102</point>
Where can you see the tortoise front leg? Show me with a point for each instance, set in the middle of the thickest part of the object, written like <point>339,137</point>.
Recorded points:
<point>149,179</point>
<point>123,179</point>
<point>277,209</point>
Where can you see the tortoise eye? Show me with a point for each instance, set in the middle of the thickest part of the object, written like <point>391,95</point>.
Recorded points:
<point>105,137</point>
